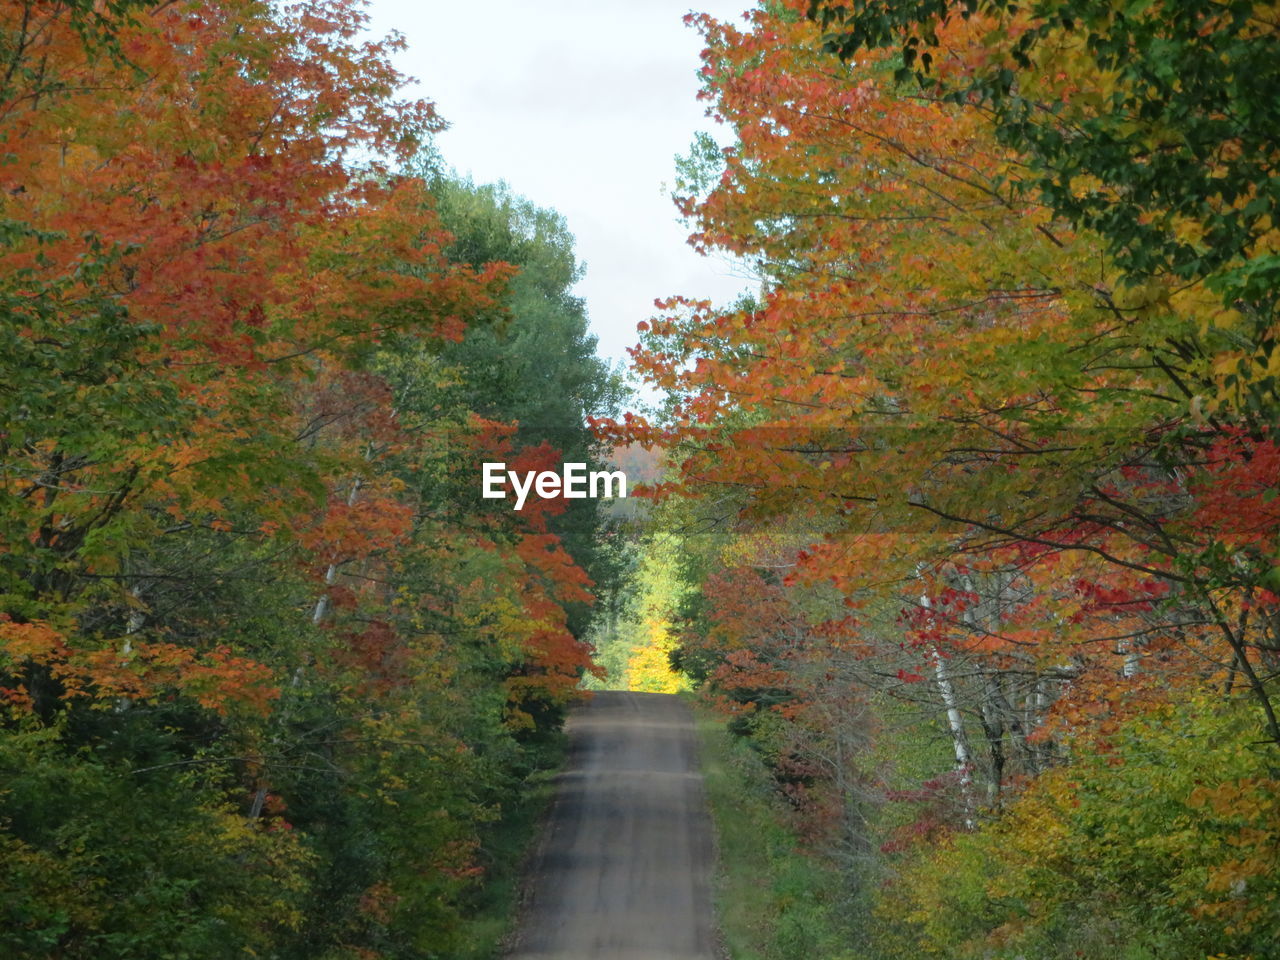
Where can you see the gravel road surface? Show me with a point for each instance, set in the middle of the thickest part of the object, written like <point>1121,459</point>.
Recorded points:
<point>624,869</point>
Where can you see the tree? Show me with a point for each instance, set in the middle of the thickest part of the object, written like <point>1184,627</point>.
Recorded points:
<point>1147,124</point>
<point>967,453</point>
<point>259,690</point>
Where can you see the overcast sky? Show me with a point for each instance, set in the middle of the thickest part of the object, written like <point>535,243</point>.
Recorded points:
<point>582,106</point>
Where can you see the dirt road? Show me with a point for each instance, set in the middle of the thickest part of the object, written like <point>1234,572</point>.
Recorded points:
<point>624,870</point>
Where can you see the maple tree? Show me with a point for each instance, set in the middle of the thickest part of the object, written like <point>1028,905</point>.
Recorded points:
<point>1147,123</point>
<point>991,447</point>
<point>268,679</point>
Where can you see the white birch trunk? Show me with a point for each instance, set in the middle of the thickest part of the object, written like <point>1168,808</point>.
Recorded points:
<point>331,575</point>
<point>133,624</point>
<point>955,722</point>
<point>1132,659</point>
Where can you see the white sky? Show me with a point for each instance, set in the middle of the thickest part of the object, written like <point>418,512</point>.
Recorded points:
<point>582,106</point>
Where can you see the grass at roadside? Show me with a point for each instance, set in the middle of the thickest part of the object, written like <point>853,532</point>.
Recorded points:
<point>772,901</point>
<point>506,847</point>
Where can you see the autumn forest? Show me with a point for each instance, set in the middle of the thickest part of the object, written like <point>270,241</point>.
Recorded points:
<point>961,533</point>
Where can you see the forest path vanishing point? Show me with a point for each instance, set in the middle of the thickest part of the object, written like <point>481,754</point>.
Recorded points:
<point>624,869</point>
